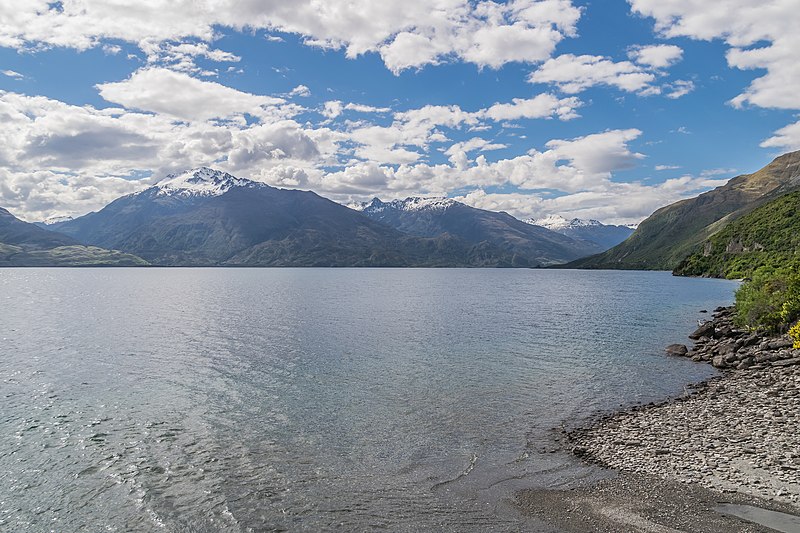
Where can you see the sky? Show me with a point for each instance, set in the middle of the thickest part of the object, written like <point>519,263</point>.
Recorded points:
<point>592,109</point>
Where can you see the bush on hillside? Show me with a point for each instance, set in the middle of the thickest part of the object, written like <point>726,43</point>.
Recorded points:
<point>770,301</point>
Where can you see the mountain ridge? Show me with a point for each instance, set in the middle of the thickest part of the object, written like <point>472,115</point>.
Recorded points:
<point>428,217</point>
<point>604,235</point>
<point>26,244</point>
<point>674,232</point>
<point>205,217</point>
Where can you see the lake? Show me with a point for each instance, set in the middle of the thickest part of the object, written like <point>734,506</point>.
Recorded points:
<point>317,399</point>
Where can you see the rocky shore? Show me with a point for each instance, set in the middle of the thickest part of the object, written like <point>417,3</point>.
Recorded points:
<point>736,433</point>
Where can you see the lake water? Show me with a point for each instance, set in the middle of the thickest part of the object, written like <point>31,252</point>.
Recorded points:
<point>316,399</point>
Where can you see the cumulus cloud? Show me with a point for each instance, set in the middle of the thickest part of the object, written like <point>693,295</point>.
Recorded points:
<point>301,91</point>
<point>787,138</point>
<point>182,56</point>
<point>65,144</point>
<point>361,108</point>
<point>656,56</point>
<point>410,34</point>
<point>760,35</point>
<point>573,74</point>
<point>59,158</point>
<point>614,203</point>
<point>679,88</point>
<point>413,131</point>
<point>540,106</point>
<point>571,166</point>
<point>181,96</point>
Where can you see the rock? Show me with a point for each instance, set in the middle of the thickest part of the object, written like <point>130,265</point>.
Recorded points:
<point>718,361</point>
<point>704,330</point>
<point>787,362</point>
<point>779,344</point>
<point>751,340</point>
<point>676,349</point>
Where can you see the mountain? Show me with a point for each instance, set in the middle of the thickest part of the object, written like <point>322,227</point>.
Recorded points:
<point>434,217</point>
<point>767,236</point>
<point>25,244</point>
<point>674,232</point>
<point>604,235</point>
<point>207,217</point>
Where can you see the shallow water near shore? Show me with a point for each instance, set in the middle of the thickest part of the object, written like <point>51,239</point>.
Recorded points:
<point>316,399</point>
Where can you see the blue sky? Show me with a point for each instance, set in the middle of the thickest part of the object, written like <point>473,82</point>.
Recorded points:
<point>603,110</point>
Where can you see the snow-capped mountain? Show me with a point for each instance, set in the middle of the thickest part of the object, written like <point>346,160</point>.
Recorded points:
<point>557,222</point>
<point>201,181</point>
<point>49,221</point>
<point>414,203</point>
<point>437,216</point>
<point>607,236</point>
<point>207,217</point>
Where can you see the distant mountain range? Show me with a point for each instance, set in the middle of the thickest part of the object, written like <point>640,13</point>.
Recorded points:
<point>604,235</point>
<point>206,217</point>
<point>431,217</point>
<point>24,244</point>
<point>677,231</point>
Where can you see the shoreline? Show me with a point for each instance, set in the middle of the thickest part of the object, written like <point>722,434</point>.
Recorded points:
<point>730,439</point>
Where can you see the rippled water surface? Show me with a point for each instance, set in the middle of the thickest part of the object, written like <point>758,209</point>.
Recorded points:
<point>315,399</point>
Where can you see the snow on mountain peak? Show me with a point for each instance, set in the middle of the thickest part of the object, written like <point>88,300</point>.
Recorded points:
<point>201,181</point>
<point>414,203</point>
<point>417,203</point>
<point>556,222</point>
<point>49,221</point>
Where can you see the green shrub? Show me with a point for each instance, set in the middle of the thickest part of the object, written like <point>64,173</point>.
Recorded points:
<point>770,301</point>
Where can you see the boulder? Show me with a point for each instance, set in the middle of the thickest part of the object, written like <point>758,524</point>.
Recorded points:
<point>677,349</point>
<point>705,329</point>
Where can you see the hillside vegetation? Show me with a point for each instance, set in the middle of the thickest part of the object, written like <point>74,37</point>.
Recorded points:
<point>674,232</point>
<point>767,236</point>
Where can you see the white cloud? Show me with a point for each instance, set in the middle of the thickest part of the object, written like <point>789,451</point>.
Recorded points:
<point>361,108</point>
<point>540,106</point>
<point>666,167</point>
<point>761,35</point>
<point>656,56</point>
<point>458,152</point>
<point>612,203</point>
<point>571,166</point>
<point>301,91</point>
<point>410,34</point>
<point>573,74</point>
<point>179,95</point>
<point>12,74</point>
<point>786,138</point>
<point>332,109</point>
<point>679,88</point>
<point>37,195</point>
<point>415,129</point>
<point>182,56</point>
<point>91,149</point>
<point>58,158</point>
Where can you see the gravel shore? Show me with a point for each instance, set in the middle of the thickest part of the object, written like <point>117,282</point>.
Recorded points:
<point>734,438</point>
